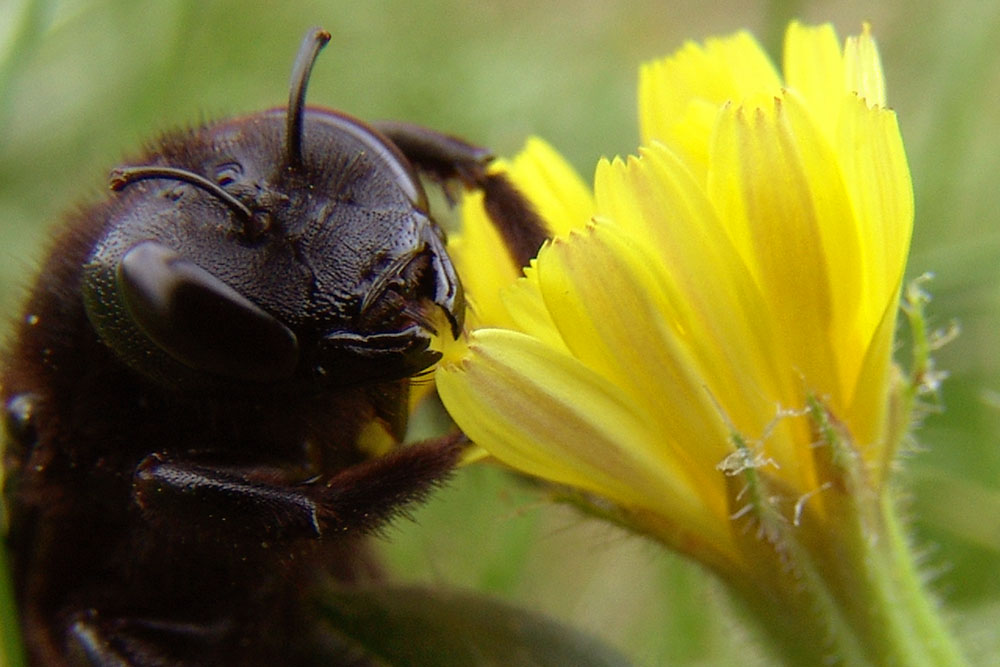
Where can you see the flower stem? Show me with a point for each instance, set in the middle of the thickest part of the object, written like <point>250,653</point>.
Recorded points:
<point>860,600</point>
<point>831,577</point>
<point>915,633</point>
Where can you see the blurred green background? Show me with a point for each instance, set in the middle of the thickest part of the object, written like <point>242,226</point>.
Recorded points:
<point>82,84</point>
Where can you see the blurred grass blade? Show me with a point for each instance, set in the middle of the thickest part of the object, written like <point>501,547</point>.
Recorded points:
<point>21,24</point>
<point>408,626</point>
<point>11,653</point>
<point>959,507</point>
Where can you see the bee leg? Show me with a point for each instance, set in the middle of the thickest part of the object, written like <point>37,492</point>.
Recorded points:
<point>119,642</point>
<point>257,500</point>
<point>440,156</point>
<point>404,476</point>
<point>445,158</point>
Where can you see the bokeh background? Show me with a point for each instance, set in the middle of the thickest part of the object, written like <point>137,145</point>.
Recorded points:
<point>82,84</point>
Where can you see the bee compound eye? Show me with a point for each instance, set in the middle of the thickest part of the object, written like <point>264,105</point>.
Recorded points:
<point>201,321</point>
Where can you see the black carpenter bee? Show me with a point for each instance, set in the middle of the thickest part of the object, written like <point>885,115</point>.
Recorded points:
<point>193,370</point>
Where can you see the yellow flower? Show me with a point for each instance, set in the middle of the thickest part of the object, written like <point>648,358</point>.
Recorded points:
<point>706,342</point>
<point>749,259</point>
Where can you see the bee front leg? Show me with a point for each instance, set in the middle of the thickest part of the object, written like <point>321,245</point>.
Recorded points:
<point>446,158</point>
<point>263,501</point>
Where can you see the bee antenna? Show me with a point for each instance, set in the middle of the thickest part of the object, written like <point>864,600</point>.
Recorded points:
<point>123,176</point>
<point>312,43</point>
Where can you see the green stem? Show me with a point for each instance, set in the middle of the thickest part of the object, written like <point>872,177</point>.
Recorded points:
<point>828,575</point>
<point>831,574</point>
<point>851,596</point>
<point>918,634</point>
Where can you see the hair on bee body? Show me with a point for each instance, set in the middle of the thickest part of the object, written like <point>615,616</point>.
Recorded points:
<point>193,369</point>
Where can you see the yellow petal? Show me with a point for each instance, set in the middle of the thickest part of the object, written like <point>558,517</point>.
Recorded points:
<point>715,309</point>
<point>867,412</point>
<point>482,263</point>
<point>679,96</point>
<point>558,193</point>
<point>863,68</point>
<point>527,309</point>
<point>795,229</point>
<point>876,175</point>
<point>617,316</point>
<point>547,414</point>
<point>718,303</point>
<point>814,68</point>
